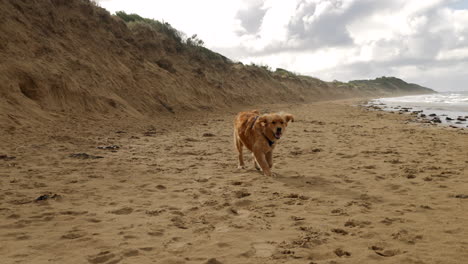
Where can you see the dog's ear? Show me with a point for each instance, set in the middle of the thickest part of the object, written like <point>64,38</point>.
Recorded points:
<point>263,120</point>
<point>288,117</point>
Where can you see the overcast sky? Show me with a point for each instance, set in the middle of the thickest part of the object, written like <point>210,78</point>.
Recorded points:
<point>420,41</point>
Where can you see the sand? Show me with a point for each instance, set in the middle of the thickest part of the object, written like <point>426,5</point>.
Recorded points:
<point>352,186</point>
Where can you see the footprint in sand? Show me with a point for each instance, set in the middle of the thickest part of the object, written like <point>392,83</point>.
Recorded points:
<point>385,252</point>
<point>156,232</point>
<point>122,211</point>
<point>264,249</point>
<point>342,253</point>
<point>241,194</point>
<point>103,257</point>
<point>73,235</point>
<point>130,253</point>
<point>405,236</point>
<point>339,231</point>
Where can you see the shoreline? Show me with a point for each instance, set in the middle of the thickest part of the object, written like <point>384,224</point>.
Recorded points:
<point>458,120</point>
<point>447,109</point>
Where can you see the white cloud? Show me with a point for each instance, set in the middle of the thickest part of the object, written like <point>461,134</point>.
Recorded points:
<point>330,39</point>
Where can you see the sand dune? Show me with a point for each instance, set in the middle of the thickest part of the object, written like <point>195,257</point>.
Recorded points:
<point>353,186</point>
<point>72,57</point>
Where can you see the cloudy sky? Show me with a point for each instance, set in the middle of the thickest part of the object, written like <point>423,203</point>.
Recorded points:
<point>420,41</point>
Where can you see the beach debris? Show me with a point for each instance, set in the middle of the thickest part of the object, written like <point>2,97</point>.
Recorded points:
<point>84,156</point>
<point>120,132</point>
<point>461,196</point>
<point>461,118</point>
<point>448,118</point>
<point>436,120</point>
<point>6,157</point>
<point>150,133</point>
<point>432,115</point>
<point>48,196</point>
<point>208,135</point>
<point>111,147</point>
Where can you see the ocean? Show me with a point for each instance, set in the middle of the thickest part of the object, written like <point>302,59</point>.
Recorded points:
<point>446,106</point>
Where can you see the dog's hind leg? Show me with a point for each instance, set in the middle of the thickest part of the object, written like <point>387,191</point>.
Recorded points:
<point>239,147</point>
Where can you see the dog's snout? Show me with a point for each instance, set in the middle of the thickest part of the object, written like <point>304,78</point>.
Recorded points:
<point>278,129</point>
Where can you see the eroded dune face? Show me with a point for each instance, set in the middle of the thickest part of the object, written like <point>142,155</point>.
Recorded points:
<point>351,185</point>
<point>74,58</point>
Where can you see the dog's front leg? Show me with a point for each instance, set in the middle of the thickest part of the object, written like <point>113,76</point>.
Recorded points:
<point>255,162</point>
<point>269,158</point>
<point>262,161</point>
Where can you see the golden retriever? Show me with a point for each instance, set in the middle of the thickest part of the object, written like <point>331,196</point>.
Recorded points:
<point>259,134</point>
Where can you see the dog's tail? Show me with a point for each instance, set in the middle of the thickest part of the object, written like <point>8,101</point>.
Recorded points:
<point>234,135</point>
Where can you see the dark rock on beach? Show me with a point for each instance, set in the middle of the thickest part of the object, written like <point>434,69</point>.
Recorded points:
<point>111,147</point>
<point>47,197</point>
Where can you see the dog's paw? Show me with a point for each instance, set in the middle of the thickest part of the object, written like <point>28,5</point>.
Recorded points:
<point>272,174</point>
<point>241,167</point>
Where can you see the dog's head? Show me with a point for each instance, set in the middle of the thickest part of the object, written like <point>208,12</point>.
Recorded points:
<point>275,124</point>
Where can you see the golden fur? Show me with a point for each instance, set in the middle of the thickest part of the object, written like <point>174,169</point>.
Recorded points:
<point>259,134</point>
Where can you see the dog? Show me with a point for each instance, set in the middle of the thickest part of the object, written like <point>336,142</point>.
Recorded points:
<point>259,134</point>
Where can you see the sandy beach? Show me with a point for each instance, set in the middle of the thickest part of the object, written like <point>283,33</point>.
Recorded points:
<point>352,186</point>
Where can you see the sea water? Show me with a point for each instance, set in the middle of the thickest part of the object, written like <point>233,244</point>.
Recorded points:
<point>447,104</point>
